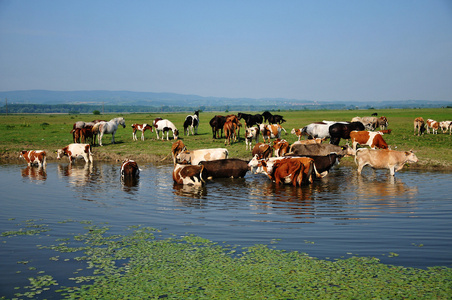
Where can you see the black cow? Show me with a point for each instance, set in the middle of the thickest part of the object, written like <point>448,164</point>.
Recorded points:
<point>217,124</point>
<point>340,131</point>
<point>325,163</point>
<point>250,120</point>
<point>224,168</point>
<point>272,119</point>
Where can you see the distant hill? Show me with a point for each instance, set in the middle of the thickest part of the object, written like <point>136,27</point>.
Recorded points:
<point>116,101</point>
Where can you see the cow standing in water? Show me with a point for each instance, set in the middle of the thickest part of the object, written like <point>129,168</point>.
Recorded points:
<point>34,157</point>
<point>384,159</point>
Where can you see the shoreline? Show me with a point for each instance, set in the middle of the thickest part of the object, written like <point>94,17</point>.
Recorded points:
<point>11,157</point>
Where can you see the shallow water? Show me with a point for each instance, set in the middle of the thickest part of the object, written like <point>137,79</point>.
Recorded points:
<point>341,215</point>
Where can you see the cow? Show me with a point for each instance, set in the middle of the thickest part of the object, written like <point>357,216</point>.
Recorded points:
<point>319,150</point>
<point>290,170</point>
<point>32,157</point>
<point>188,175</point>
<point>129,169</point>
<point>262,150</point>
<point>272,131</point>
<point>191,123</point>
<point>369,138</point>
<point>308,142</point>
<point>194,157</point>
<point>73,151</point>
<point>419,126</point>
<point>385,131</point>
<point>251,133</point>
<point>250,120</point>
<point>434,125</point>
<point>272,119</point>
<point>280,147</point>
<point>446,125</point>
<point>224,168</point>
<point>298,132</point>
<point>382,122</point>
<point>384,159</point>
<point>318,129</point>
<point>142,128</point>
<point>229,129</point>
<point>164,125</point>
<point>340,131</point>
<point>217,124</point>
<point>177,148</point>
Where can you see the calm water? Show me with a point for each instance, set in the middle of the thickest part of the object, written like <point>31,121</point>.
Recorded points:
<point>338,216</point>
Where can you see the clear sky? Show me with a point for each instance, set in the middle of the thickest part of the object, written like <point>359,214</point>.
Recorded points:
<point>366,50</point>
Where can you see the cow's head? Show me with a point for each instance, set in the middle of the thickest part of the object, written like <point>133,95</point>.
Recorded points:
<point>411,157</point>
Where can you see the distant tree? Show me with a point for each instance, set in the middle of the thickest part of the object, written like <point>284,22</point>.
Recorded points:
<point>96,112</point>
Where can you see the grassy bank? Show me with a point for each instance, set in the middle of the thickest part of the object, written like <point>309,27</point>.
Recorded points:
<point>50,132</point>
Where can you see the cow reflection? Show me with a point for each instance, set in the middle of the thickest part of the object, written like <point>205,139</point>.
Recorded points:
<point>189,192</point>
<point>34,173</point>
<point>384,189</point>
<point>130,184</point>
<point>78,175</point>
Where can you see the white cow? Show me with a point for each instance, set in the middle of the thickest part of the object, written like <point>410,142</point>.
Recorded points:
<point>193,157</point>
<point>251,133</point>
<point>73,151</point>
<point>383,159</point>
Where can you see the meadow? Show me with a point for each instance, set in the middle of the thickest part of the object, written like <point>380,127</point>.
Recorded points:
<point>52,131</point>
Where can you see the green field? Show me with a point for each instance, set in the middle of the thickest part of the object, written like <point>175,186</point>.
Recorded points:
<point>52,131</point>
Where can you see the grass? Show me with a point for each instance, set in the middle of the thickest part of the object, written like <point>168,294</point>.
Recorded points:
<point>50,132</point>
<point>141,264</point>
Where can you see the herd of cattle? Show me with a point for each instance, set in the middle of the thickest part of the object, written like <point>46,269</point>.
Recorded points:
<point>296,164</point>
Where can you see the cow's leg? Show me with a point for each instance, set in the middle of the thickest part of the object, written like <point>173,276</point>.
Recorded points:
<point>392,170</point>
<point>360,166</point>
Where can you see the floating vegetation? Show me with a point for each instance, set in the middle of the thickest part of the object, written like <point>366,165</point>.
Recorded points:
<point>142,265</point>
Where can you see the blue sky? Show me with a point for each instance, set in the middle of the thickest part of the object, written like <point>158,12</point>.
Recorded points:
<point>313,50</point>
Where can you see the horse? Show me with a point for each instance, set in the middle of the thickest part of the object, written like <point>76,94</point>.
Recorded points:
<point>191,122</point>
<point>165,125</point>
<point>272,119</point>
<point>108,127</point>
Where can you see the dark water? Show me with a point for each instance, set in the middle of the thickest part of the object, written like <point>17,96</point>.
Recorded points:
<point>338,216</point>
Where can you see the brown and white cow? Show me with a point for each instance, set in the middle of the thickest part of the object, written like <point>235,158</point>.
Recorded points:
<point>280,147</point>
<point>369,138</point>
<point>272,131</point>
<point>446,125</point>
<point>291,170</point>
<point>419,126</point>
<point>142,128</point>
<point>320,150</point>
<point>193,157</point>
<point>432,124</point>
<point>34,157</point>
<point>251,134</point>
<point>188,175</point>
<point>298,132</point>
<point>224,168</point>
<point>262,150</point>
<point>73,151</point>
<point>129,168</point>
<point>384,159</point>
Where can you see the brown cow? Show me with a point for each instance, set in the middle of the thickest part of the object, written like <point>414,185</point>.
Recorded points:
<point>129,168</point>
<point>280,147</point>
<point>262,150</point>
<point>177,148</point>
<point>34,157</point>
<point>272,131</point>
<point>369,138</point>
<point>419,126</point>
<point>292,170</point>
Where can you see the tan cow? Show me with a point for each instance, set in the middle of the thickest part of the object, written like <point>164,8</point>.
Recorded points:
<point>384,159</point>
<point>419,126</point>
<point>369,138</point>
<point>446,125</point>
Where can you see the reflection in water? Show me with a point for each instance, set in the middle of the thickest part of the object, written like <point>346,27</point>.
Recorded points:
<point>130,184</point>
<point>34,173</point>
<point>78,175</point>
<point>189,195</point>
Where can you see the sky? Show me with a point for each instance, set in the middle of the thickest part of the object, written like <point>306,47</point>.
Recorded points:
<point>373,50</point>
